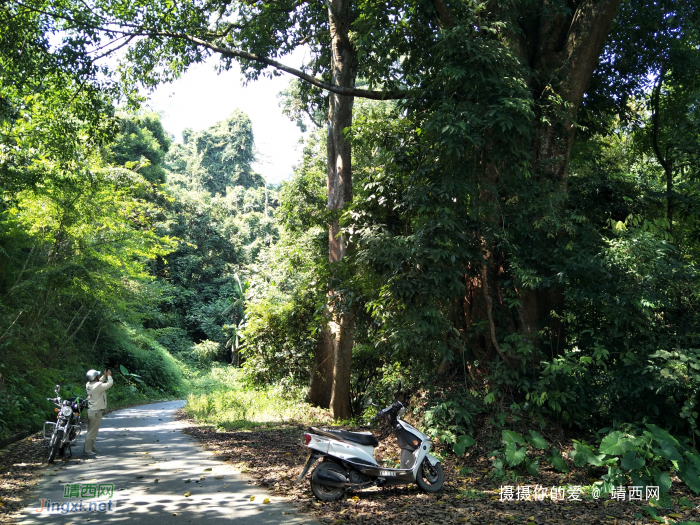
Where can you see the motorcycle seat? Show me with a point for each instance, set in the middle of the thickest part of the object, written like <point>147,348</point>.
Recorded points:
<point>354,437</point>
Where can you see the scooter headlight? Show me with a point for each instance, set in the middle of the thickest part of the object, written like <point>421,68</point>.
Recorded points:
<point>66,411</point>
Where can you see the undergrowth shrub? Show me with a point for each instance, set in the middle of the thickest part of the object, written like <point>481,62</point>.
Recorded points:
<point>280,338</point>
<point>23,393</point>
<point>175,340</point>
<point>646,457</point>
<point>141,354</point>
<point>206,351</point>
<point>221,399</point>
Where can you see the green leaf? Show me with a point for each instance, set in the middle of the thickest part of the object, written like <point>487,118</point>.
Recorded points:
<point>557,461</point>
<point>661,435</point>
<point>536,440</point>
<point>585,454</point>
<point>123,370</point>
<point>512,437</point>
<point>665,501</point>
<point>630,461</point>
<point>615,444</point>
<point>514,455</point>
<point>689,472</point>
<point>668,451</point>
<point>533,466</point>
<point>663,481</point>
<point>462,443</point>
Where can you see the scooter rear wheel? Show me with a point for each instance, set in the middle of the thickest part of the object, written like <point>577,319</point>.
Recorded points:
<point>430,481</point>
<point>326,492</point>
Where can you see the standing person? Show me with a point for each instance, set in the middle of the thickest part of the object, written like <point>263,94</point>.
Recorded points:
<point>97,403</point>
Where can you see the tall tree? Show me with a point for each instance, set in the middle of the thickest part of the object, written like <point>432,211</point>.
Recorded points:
<point>218,157</point>
<point>141,145</point>
<point>505,128</point>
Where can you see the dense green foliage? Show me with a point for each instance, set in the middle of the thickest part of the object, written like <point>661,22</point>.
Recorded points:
<point>223,215</point>
<point>75,230</point>
<point>89,220</point>
<point>510,271</point>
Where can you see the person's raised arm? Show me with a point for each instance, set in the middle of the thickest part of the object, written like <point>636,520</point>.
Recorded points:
<point>110,381</point>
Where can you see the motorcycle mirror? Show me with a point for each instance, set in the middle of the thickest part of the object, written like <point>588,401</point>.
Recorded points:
<point>368,402</point>
<point>58,387</point>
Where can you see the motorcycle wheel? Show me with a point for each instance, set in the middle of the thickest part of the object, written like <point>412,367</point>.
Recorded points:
<point>55,445</point>
<point>326,492</point>
<point>430,481</point>
<point>71,437</point>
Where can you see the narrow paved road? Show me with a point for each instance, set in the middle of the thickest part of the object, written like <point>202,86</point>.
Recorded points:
<point>148,459</point>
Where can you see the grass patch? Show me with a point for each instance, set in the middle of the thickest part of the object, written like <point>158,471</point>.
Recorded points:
<point>219,397</point>
<point>470,493</point>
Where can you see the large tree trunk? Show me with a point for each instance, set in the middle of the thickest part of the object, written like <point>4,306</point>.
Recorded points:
<point>341,327</point>
<point>562,52</point>
<point>321,384</point>
<point>665,161</point>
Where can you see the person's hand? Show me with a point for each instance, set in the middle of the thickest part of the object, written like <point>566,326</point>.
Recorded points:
<point>108,372</point>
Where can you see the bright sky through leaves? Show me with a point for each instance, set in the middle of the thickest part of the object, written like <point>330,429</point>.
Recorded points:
<point>201,98</point>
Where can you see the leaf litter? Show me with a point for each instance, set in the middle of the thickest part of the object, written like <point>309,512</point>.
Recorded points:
<point>273,457</point>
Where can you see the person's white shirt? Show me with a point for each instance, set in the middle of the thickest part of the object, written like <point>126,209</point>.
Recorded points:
<point>97,399</point>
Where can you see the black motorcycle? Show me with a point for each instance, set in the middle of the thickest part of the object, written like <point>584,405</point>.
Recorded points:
<point>67,427</point>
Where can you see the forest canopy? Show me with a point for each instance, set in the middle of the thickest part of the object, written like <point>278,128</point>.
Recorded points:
<point>497,203</point>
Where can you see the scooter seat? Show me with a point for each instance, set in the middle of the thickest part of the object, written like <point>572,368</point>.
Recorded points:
<point>354,437</point>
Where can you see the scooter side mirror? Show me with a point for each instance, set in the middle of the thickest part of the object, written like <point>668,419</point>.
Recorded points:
<point>368,402</point>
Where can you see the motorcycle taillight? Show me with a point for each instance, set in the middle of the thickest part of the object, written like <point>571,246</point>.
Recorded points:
<point>307,439</point>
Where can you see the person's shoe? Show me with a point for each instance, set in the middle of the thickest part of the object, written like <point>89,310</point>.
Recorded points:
<point>90,454</point>
<point>95,451</point>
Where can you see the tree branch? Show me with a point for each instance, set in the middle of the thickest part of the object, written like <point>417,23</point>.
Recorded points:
<point>13,324</point>
<point>655,116</point>
<point>444,14</point>
<point>238,53</point>
<point>235,53</point>
<point>585,39</point>
<point>489,312</point>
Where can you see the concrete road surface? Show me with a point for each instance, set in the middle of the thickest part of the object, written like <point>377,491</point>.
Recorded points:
<point>144,468</point>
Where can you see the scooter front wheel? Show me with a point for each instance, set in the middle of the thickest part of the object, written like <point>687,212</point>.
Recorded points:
<point>55,445</point>
<point>326,492</point>
<point>430,477</point>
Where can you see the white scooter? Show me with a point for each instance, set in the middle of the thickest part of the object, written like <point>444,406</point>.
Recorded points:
<point>348,459</point>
